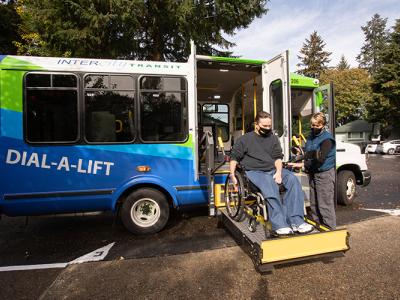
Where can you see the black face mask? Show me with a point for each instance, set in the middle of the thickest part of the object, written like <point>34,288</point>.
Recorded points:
<point>316,131</point>
<point>264,131</point>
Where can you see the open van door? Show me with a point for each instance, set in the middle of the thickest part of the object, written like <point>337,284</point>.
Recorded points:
<point>323,101</point>
<point>276,97</point>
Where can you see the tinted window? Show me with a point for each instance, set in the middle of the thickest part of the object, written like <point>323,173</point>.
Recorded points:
<point>277,106</point>
<point>96,81</point>
<point>64,81</point>
<point>38,80</point>
<point>109,113</point>
<point>217,114</point>
<point>163,111</point>
<point>51,114</point>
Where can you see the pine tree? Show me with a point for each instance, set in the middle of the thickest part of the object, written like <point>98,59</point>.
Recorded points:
<point>343,64</point>
<point>139,29</point>
<point>313,58</point>
<point>376,36</point>
<point>387,79</point>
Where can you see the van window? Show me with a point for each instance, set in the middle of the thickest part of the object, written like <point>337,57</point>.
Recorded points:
<point>163,109</point>
<point>277,106</point>
<point>51,108</point>
<point>218,115</point>
<point>109,108</point>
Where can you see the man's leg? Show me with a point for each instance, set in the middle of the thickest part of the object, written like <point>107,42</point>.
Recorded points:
<point>325,188</point>
<point>293,200</point>
<point>270,191</point>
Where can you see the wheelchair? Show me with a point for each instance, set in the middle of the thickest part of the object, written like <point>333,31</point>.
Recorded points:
<point>245,199</point>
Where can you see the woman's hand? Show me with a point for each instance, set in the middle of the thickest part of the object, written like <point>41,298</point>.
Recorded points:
<point>296,165</point>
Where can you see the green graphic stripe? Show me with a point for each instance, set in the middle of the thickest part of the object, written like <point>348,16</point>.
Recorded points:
<point>11,82</point>
<point>20,64</point>
<point>301,81</point>
<point>238,60</point>
<point>11,89</point>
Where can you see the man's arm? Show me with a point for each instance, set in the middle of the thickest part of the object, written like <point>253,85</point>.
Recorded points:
<point>278,173</point>
<point>232,169</point>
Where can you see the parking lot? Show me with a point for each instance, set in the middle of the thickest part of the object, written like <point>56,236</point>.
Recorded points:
<point>192,257</point>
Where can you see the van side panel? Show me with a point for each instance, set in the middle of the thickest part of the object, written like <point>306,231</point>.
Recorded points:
<point>42,179</point>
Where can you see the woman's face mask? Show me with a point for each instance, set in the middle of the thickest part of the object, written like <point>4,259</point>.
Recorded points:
<point>316,127</point>
<point>316,131</point>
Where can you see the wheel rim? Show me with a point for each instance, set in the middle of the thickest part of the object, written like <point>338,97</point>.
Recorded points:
<point>391,151</point>
<point>351,188</point>
<point>145,212</point>
<point>232,199</point>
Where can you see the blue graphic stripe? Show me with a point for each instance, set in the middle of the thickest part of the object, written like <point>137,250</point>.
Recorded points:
<point>2,57</point>
<point>160,150</point>
<point>11,124</point>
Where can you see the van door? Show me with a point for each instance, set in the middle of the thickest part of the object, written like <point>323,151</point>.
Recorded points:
<point>323,101</point>
<point>276,97</point>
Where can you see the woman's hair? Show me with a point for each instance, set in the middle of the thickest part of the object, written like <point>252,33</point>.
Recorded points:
<point>262,115</point>
<point>319,117</point>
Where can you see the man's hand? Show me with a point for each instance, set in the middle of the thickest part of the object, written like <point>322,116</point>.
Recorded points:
<point>234,181</point>
<point>278,177</point>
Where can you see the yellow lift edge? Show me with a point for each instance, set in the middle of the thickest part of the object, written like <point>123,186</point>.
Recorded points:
<point>267,252</point>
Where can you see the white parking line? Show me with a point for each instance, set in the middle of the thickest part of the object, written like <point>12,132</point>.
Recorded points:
<point>95,255</point>
<point>393,212</point>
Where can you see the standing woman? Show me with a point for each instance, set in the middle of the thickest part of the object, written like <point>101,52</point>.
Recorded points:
<point>320,164</point>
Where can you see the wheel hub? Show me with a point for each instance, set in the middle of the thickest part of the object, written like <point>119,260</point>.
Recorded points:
<point>145,212</point>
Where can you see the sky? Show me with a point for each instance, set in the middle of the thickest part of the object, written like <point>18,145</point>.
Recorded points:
<point>288,23</point>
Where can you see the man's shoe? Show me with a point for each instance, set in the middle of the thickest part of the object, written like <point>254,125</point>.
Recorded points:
<point>303,228</point>
<point>283,231</point>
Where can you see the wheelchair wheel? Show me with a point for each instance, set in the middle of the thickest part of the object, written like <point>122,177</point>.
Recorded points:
<point>234,197</point>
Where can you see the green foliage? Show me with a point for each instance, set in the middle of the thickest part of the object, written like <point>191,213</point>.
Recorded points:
<point>376,37</point>
<point>352,93</point>
<point>313,58</point>
<point>9,21</point>
<point>343,64</point>
<point>138,29</point>
<point>387,79</point>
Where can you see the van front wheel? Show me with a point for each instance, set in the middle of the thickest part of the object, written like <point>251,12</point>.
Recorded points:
<point>346,187</point>
<point>145,211</point>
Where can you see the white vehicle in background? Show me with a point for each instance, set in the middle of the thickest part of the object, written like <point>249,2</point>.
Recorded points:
<point>352,170</point>
<point>371,148</point>
<point>388,147</point>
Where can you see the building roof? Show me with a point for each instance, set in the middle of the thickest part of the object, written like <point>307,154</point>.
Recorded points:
<point>355,126</point>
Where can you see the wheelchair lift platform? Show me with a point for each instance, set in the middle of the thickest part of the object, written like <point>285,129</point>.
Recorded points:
<point>267,252</point>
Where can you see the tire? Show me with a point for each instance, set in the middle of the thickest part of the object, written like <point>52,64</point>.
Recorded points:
<point>346,187</point>
<point>145,211</point>
<point>234,200</point>
<point>391,151</point>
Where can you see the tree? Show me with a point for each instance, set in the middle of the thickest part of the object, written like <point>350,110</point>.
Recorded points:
<point>386,83</point>
<point>352,93</point>
<point>376,37</point>
<point>9,21</point>
<point>343,64</point>
<point>139,29</point>
<point>312,56</point>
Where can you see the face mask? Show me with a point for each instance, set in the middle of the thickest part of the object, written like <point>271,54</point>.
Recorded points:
<point>264,131</point>
<point>316,131</point>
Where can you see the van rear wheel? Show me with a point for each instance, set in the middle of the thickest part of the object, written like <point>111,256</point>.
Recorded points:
<point>145,211</point>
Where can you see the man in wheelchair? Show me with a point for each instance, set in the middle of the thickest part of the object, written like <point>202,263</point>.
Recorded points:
<point>260,154</point>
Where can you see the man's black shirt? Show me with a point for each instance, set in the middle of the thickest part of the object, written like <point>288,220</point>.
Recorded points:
<point>255,152</point>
